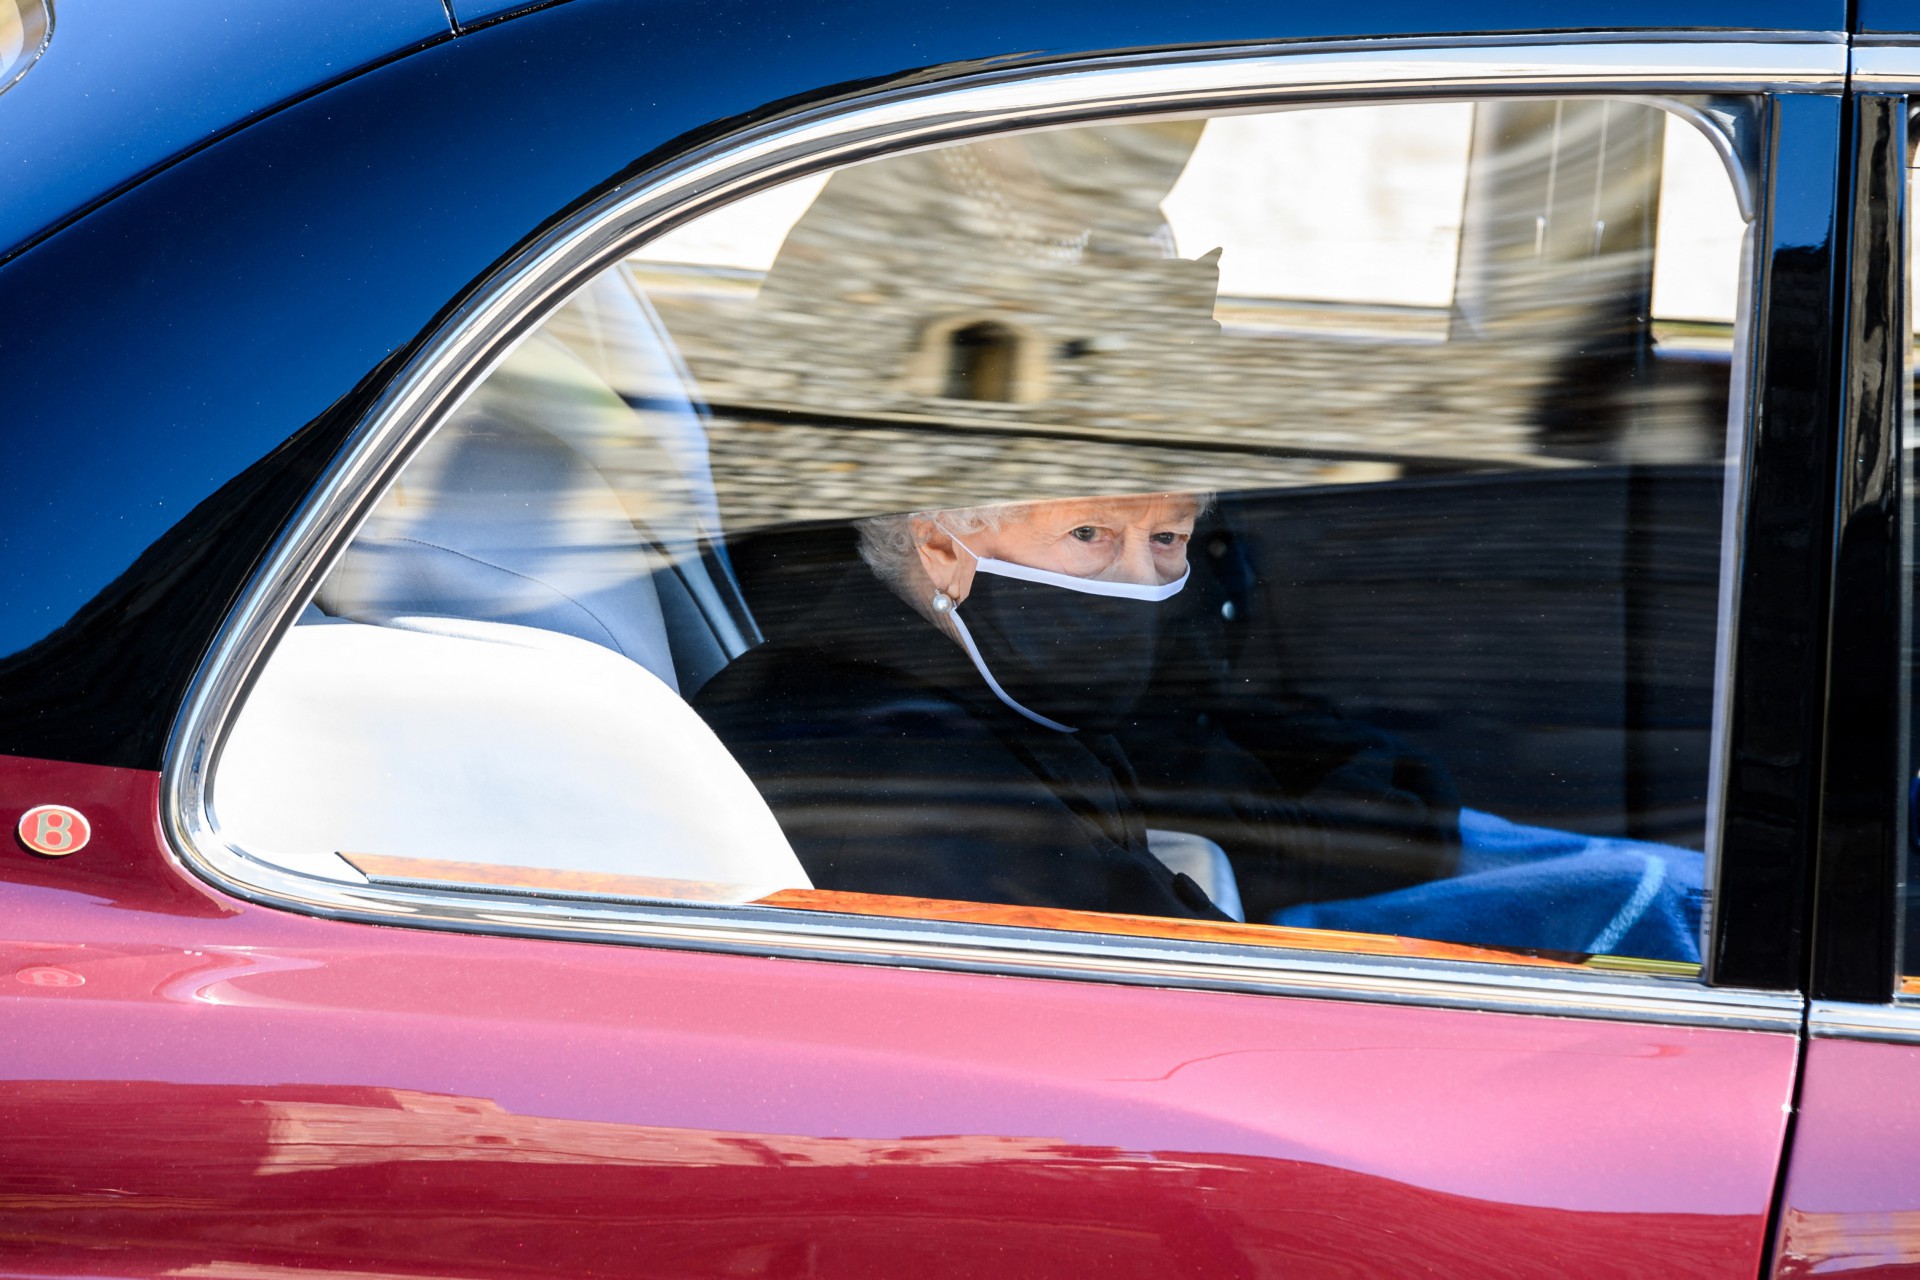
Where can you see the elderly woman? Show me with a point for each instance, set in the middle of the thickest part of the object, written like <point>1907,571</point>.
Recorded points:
<point>950,724</point>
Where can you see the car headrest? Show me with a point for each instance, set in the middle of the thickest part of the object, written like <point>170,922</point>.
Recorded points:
<point>498,520</point>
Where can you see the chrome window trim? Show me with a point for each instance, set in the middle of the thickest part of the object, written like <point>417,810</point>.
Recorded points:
<point>477,336</point>
<point>1884,68</point>
<point>1896,1023</point>
<point>1036,953</point>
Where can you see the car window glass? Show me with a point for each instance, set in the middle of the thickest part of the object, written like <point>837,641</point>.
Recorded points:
<point>1301,526</point>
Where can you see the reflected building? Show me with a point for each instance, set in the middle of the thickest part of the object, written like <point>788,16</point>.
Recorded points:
<point>1018,307</point>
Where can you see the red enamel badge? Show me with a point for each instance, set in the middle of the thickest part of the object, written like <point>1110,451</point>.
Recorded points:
<point>54,830</point>
<point>49,976</point>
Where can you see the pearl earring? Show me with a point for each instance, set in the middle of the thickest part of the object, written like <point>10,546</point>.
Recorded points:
<point>942,602</point>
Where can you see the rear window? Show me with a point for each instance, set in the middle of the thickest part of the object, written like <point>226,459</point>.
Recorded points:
<point>1300,527</point>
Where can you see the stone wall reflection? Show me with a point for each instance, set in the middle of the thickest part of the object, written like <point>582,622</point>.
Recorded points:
<point>832,384</point>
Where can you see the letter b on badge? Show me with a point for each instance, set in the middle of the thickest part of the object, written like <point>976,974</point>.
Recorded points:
<point>54,830</point>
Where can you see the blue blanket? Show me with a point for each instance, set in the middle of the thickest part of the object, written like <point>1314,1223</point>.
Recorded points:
<point>1540,889</point>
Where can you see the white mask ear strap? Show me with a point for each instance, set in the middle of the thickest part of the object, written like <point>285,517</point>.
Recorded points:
<point>980,665</point>
<point>956,541</point>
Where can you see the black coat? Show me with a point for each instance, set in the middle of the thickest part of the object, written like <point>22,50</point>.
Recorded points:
<point>893,769</point>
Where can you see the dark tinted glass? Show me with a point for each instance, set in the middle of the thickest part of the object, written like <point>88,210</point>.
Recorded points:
<point>1310,518</point>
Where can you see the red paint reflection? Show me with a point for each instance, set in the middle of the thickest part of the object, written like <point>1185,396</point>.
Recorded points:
<point>408,1183</point>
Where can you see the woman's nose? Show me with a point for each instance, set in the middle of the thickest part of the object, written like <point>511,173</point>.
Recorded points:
<point>1135,563</point>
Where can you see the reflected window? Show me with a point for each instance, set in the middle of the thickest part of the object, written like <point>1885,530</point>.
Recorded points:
<point>980,360</point>
<point>1099,529</point>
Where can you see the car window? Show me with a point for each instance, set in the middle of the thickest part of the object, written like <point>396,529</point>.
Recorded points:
<point>1300,526</point>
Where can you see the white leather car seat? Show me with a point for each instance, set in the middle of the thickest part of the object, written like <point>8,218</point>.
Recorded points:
<point>485,742</point>
<point>548,500</point>
<point>612,330</point>
<point>607,335</point>
<point>489,673</point>
<point>496,520</point>
<point>1204,861</point>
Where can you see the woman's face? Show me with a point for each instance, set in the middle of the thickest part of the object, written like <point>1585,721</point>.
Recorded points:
<point>1141,539</point>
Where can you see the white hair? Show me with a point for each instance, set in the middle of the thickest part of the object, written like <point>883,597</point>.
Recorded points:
<point>888,546</point>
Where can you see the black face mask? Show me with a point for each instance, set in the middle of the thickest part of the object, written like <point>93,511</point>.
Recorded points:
<point>1069,653</point>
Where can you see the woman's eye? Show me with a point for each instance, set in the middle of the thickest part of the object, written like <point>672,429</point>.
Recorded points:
<point>1169,539</point>
<point>1085,533</point>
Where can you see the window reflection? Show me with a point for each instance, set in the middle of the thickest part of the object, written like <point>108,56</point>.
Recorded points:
<point>980,360</point>
<point>1312,518</point>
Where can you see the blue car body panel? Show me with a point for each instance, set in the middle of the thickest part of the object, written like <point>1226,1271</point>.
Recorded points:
<point>1886,17</point>
<point>1075,26</point>
<point>125,86</point>
<point>479,11</point>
